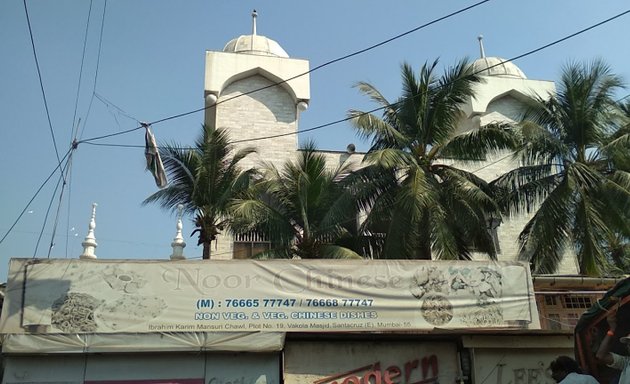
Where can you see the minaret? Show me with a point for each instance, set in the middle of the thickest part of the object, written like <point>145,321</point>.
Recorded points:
<point>255,90</point>
<point>178,243</point>
<point>89,243</point>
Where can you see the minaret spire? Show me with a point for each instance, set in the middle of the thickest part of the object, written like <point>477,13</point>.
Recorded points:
<point>89,243</point>
<point>481,51</point>
<point>178,243</point>
<point>254,16</point>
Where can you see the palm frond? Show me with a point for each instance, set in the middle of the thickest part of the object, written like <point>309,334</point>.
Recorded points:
<point>371,127</point>
<point>545,237</point>
<point>389,158</point>
<point>331,251</point>
<point>477,144</point>
<point>522,189</point>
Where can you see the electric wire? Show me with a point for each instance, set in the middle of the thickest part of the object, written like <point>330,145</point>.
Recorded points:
<point>68,212</point>
<point>299,75</point>
<point>73,135</point>
<point>41,83</point>
<point>45,221</point>
<point>335,122</point>
<point>41,232</point>
<point>110,104</point>
<point>35,195</point>
<point>59,203</point>
<point>98,61</point>
<point>622,98</point>
<point>76,99</point>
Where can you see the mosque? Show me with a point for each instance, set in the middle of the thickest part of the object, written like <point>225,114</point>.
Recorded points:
<point>241,96</point>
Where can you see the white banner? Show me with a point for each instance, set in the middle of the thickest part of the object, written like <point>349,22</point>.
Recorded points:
<point>105,296</point>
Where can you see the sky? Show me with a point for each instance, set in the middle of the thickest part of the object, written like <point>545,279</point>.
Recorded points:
<point>148,64</point>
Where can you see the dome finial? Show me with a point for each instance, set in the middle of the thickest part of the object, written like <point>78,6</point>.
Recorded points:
<point>254,16</point>
<point>178,243</point>
<point>481,51</point>
<point>89,243</point>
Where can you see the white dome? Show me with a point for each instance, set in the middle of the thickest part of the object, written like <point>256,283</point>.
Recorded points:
<point>255,45</point>
<point>496,66</point>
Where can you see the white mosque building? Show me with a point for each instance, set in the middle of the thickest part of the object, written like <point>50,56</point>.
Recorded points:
<point>247,70</point>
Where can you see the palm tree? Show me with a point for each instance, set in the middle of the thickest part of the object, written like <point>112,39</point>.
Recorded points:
<point>571,175</point>
<point>303,209</point>
<point>428,207</point>
<point>204,179</point>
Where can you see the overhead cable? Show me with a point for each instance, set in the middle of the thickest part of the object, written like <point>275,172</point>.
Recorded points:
<point>41,83</point>
<point>35,195</point>
<point>76,99</point>
<point>98,61</point>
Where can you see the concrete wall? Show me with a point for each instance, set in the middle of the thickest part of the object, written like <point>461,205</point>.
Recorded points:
<point>268,112</point>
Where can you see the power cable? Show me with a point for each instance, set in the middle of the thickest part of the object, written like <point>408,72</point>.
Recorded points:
<point>35,195</point>
<point>68,211</point>
<point>52,199</point>
<point>76,99</point>
<point>109,104</point>
<point>73,136</point>
<point>41,83</point>
<point>299,75</point>
<point>98,61</point>
<point>622,98</point>
<point>528,53</point>
<point>56,221</point>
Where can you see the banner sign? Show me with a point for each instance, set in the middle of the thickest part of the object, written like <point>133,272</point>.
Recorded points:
<point>106,296</point>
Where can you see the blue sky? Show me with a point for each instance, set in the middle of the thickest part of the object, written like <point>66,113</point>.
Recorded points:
<point>152,66</point>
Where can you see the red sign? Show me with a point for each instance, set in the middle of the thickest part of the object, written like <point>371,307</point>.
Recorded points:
<point>417,371</point>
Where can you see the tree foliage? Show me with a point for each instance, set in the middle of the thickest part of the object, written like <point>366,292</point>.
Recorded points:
<point>426,206</point>
<point>304,209</point>
<point>574,177</point>
<point>204,179</point>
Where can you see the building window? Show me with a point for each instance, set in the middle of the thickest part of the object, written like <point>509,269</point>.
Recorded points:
<point>561,311</point>
<point>248,245</point>
<point>249,250</point>
<point>581,302</point>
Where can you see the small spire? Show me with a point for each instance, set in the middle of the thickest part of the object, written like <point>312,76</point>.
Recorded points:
<point>89,243</point>
<point>178,243</point>
<point>254,16</point>
<point>481,51</point>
